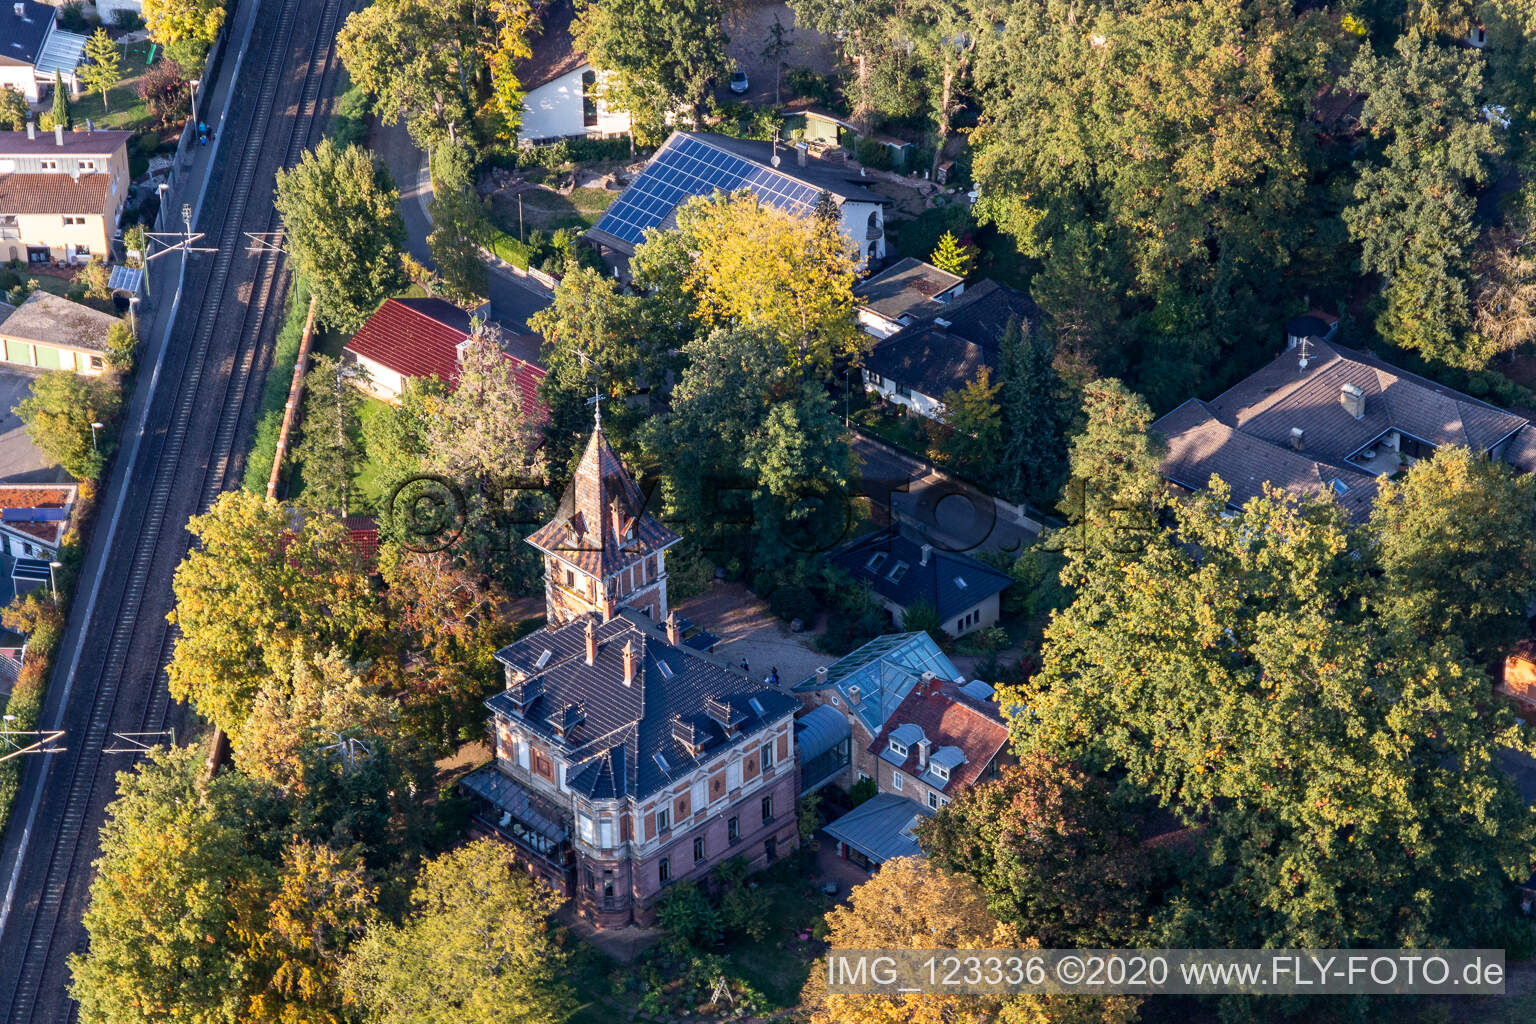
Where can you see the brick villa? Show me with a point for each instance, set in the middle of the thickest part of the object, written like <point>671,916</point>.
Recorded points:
<point>626,757</point>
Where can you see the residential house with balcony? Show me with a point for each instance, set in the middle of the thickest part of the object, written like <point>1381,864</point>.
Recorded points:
<point>1325,419</point>
<point>61,194</point>
<point>627,757</point>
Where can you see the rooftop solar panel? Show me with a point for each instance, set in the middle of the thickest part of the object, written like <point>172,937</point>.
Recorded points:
<point>685,167</point>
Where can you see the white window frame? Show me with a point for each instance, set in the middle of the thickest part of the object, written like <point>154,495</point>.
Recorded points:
<point>765,756</point>
<point>663,820</point>
<point>897,781</point>
<point>898,748</point>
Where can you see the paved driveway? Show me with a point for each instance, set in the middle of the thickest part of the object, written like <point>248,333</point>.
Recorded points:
<point>20,460</point>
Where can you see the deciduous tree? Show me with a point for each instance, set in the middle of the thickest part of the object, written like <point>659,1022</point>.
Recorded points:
<point>1055,858</point>
<point>974,425</point>
<point>257,589</point>
<point>477,945</point>
<point>754,265</point>
<point>1342,765</point>
<point>1114,493</point>
<point>58,415</point>
<point>658,56</point>
<point>1456,539</point>
<point>175,879</point>
<point>171,21</point>
<point>342,217</point>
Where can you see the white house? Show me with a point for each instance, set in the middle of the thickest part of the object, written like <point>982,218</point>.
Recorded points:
<point>562,98</point>
<point>33,48</point>
<point>785,177</point>
<point>108,9</point>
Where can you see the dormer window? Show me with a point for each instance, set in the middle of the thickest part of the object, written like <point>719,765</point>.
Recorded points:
<point>47,165</point>
<point>899,749</point>
<point>940,771</point>
<point>897,572</point>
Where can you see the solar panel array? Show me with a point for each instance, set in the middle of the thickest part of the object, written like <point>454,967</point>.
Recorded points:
<point>686,167</point>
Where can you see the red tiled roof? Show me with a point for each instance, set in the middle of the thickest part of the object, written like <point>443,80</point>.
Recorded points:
<point>54,193</point>
<point>420,338</point>
<point>363,531</point>
<point>948,718</point>
<point>38,497</point>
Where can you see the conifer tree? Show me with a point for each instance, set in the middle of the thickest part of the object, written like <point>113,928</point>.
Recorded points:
<point>104,70</point>
<point>952,257</point>
<point>60,100</point>
<point>1033,452</point>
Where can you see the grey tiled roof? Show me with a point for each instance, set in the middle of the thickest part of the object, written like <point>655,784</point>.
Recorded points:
<point>612,751</point>
<point>1245,435</point>
<point>948,346</point>
<point>1281,396</point>
<point>1201,446</point>
<point>907,287</point>
<point>880,827</point>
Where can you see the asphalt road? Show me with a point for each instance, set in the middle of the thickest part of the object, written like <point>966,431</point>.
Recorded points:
<point>513,298</point>
<point>951,515</point>
<point>198,385</point>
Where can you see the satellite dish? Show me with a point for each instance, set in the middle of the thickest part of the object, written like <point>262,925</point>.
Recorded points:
<point>775,160</point>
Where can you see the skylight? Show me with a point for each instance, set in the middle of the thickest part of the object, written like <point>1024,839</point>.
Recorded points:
<point>897,572</point>
<point>665,669</point>
<point>1339,486</point>
<point>876,560</point>
<point>661,761</point>
<point>960,582</point>
<point>755,705</point>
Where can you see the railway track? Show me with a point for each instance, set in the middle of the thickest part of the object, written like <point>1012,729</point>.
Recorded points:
<point>49,932</point>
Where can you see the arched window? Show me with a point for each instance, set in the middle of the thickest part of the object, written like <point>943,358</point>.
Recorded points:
<point>589,98</point>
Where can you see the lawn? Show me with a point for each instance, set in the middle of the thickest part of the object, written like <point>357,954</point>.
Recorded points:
<point>124,110</point>
<point>548,211</point>
<point>367,479</point>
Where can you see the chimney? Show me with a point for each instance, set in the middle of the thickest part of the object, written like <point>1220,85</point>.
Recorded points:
<point>591,642</point>
<point>800,153</point>
<point>927,550</point>
<point>1298,438</point>
<point>21,11</point>
<point>922,754</point>
<point>853,696</point>
<point>32,130</point>
<point>1353,400</point>
<point>629,663</point>
<point>821,674</point>
<point>58,134</point>
<point>674,631</point>
<point>90,127</point>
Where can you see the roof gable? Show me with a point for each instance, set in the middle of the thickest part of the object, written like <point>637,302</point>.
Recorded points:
<point>964,734</point>
<point>628,741</point>
<point>905,572</point>
<point>601,525</point>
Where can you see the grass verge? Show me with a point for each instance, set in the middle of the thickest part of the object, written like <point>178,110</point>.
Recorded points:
<point>274,393</point>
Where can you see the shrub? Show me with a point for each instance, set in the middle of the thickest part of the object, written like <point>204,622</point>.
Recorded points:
<point>95,278</point>
<point>864,789</point>
<point>792,602</point>
<point>811,85</point>
<point>919,236</point>
<point>872,154</point>
<point>925,617</point>
<point>72,16</point>
<point>688,914</point>
<point>126,20</point>
<point>349,122</point>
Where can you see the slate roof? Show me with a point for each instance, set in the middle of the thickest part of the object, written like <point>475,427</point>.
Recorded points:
<point>963,733</point>
<point>554,52</point>
<point>54,192</point>
<point>951,582</point>
<point>419,337</point>
<point>21,38</point>
<point>905,288</point>
<point>881,827</point>
<point>54,320</point>
<point>98,142</point>
<point>613,749</point>
<point>818,731</point>
<point>1245,434</point>
<point>885,670</point>
<point>949,345</point>
<point>601,525</point>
